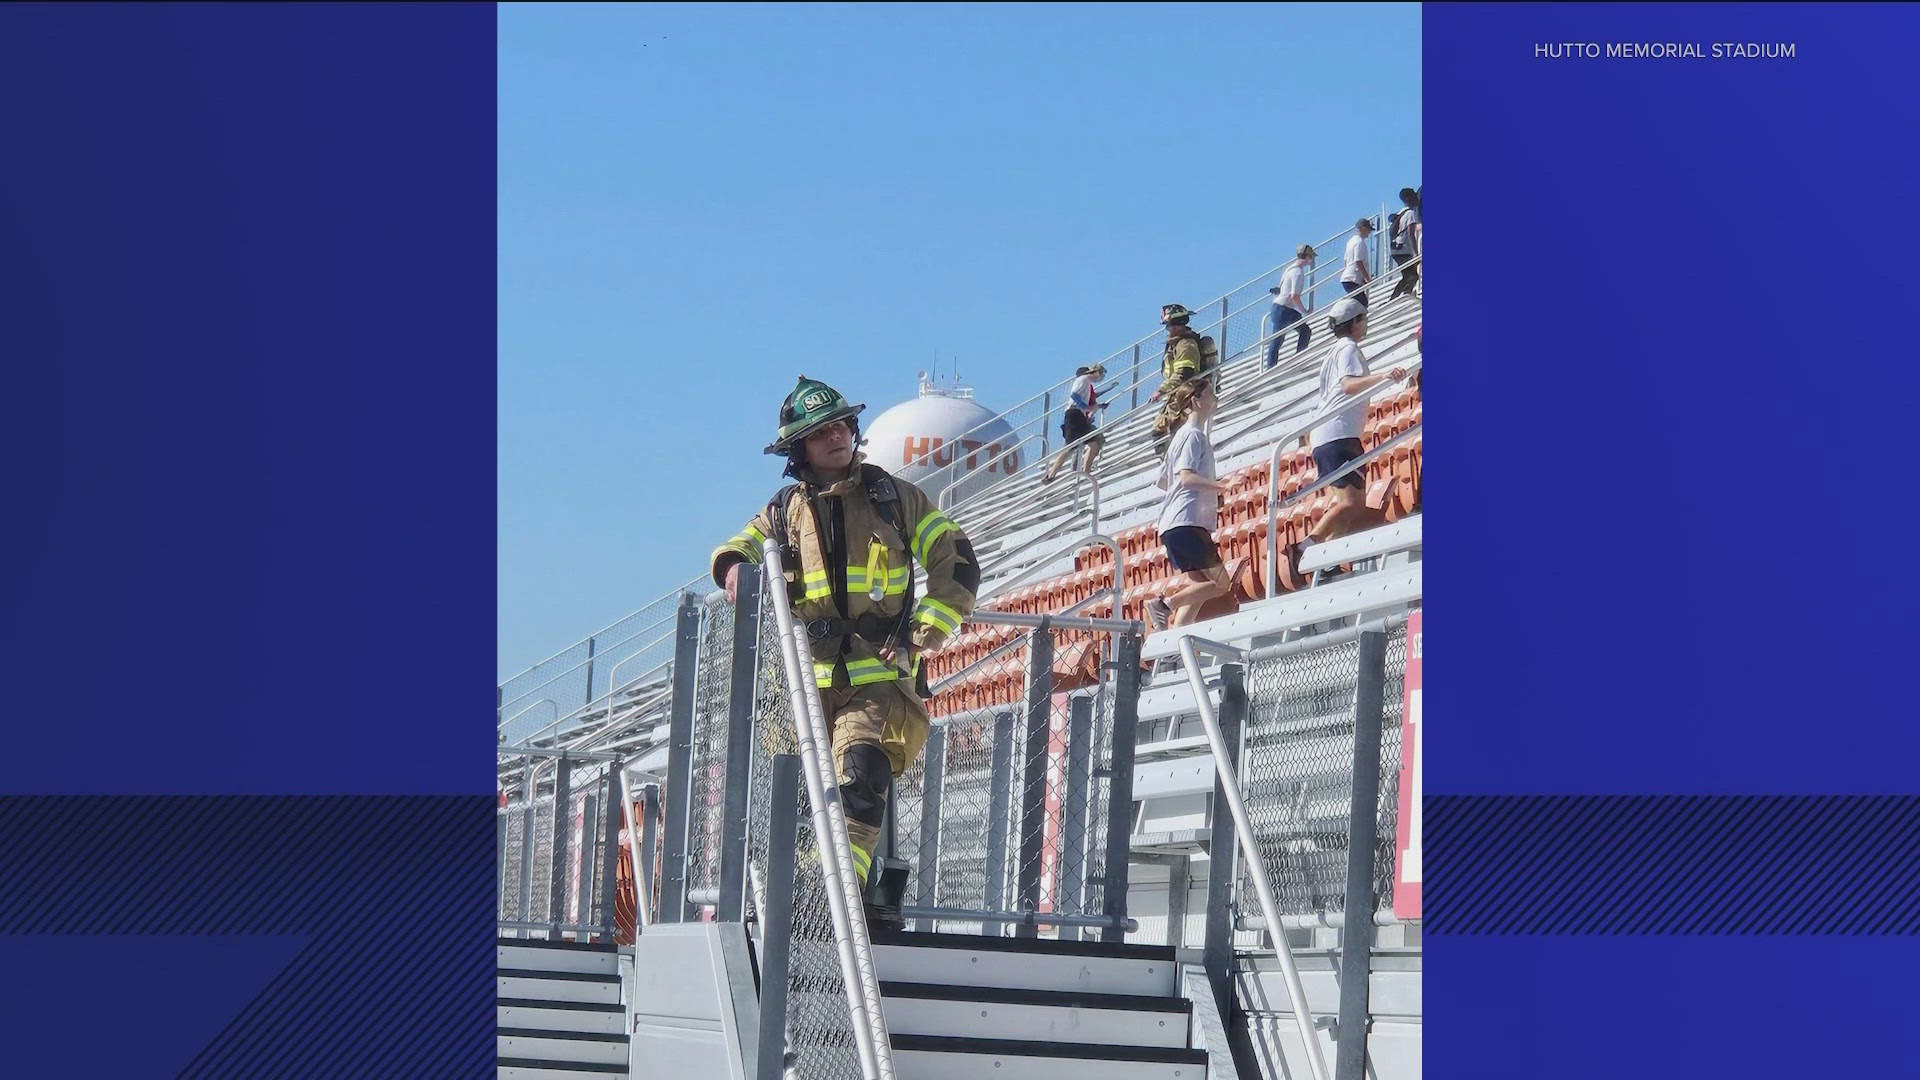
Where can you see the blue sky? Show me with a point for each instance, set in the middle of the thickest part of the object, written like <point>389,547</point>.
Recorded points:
<point>699,203</point>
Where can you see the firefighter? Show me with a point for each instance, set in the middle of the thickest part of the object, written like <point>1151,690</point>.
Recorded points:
<point>1186,357</point>
<point>852,536</point>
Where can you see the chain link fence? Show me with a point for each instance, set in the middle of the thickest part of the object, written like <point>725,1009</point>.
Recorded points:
<point>1298,762</point>
<point>707,782</point>
<point>553,845</point>
<point>1007,810</point>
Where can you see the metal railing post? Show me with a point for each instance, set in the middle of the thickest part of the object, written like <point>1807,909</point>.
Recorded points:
<point>1046,412</point>
<point>999,807</point>
<point>776,926</point>
<point>1220,375</point>
<point>610,863</point>
<point>1356,938</point>
<point>649,846</point>
<point>1135,403</point>
<point>1229,788</point>
<point>1126,721</point>
<point>502,815</point>
<point>526,845</point>
<point>679,779</point>
<point>1033,781</point>
<point>583,859</point>
<point>589,700</point>
<point>1223,867</point>
<point>562,835</point>
<point>745,677</point>
<point>935,756</point>
<point>1073,822</point>
<point>1179,884</point>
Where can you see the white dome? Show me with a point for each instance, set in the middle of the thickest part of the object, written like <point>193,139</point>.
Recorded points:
<point>938,438</point>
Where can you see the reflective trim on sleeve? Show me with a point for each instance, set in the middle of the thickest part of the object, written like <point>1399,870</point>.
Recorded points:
<point>937,615</point>
<point>931,528</point>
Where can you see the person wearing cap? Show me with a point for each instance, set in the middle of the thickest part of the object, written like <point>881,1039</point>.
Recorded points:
<point>1190,512</point>
<point>1076,424</point>
<point>1187,356</point>
<point>1354,274</point>
<point>1290,304</point>
<point>1345,382</point>
<point>1405,234</point>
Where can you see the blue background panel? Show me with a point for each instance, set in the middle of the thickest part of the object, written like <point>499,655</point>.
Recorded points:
<point>1672,405</point>
<point>249,288</point>
<point>1672,456</point>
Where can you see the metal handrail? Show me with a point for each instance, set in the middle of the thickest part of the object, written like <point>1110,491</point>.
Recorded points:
<point>1282,444</point>
<point>530,708</point>
<point>830,834</point>
<point>1238,356</point>
<point>610,732</point>
<point>1275,504</point>
<point>613,686</point>
<point>1119,567</point>
<point>600,656</point>
<point>641,917</point>
<point>1020,618</point>
<point>1225,776</point>
<point>1114,357</point>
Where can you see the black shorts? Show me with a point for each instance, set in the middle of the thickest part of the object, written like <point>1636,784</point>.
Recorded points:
<point>1330,457</point>
<point>1190,547</point>
<point>1075,426</point>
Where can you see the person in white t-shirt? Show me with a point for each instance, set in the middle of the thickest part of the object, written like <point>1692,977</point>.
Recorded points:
<point>1344,377</point>
<point>1354,274</point>
<point>1076,424</point>
<point>1405,232</point>
<point>1290,304</point>
<point>1188,515</point>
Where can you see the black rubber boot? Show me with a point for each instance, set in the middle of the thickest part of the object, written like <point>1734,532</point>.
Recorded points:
<point>886,892</point>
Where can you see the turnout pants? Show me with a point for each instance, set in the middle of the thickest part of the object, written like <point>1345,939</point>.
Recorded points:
<point>877,731</point>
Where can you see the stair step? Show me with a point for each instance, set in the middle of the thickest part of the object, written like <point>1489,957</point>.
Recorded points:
<point>921,1057</point>
<point>557,956</point>
<point>543,1069</point>
<point>1035,1015</point>
<point>1025,963</point>
<point>557,985</point>
<point>572,1047</point>
<point>576,1016</point>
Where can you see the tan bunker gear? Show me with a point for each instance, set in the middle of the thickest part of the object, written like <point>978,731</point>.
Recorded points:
<point>854,544</point>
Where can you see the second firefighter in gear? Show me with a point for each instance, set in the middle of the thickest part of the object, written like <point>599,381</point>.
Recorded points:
<point>852,535</point>
<point>1187,356</point>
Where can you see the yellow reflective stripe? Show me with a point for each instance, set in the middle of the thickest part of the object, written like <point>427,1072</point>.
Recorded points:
<point>931,528</point>
<point>859,672</point>
<point>819,586</point>
<point>862,862</point>
<point>736,546</point>
<point>754,532</point>
<point>936,614</point>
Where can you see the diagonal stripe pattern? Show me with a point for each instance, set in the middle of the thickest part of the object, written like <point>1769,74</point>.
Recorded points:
<point>396,894</point>
<point>1672,864</point>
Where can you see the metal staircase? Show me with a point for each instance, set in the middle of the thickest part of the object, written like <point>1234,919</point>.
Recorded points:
<point>962,1005</point>
<point>559,1013</point>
